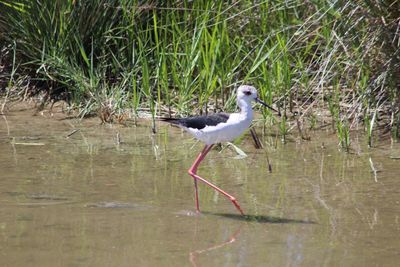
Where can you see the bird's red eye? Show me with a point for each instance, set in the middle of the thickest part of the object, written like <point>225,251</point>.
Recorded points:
<point>247,92</point>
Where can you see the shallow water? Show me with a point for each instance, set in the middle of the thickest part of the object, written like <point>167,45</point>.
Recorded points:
<point>85,200</point>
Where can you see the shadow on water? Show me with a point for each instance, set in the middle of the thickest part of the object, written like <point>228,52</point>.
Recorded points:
<point>260,218</point>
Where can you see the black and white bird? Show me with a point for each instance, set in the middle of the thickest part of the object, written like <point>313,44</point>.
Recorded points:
<point>218,128</point>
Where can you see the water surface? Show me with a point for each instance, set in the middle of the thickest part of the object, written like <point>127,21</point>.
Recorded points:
<point>85,200</point>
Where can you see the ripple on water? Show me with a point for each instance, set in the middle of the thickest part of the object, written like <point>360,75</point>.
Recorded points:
<point>117,205</point>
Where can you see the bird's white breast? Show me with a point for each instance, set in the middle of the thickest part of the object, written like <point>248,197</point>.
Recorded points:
<point>223,132</point>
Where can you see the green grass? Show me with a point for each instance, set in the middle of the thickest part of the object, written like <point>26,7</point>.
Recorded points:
<point>185,57</point>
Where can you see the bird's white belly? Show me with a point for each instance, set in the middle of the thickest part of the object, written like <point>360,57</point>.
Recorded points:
<point>223,132</point>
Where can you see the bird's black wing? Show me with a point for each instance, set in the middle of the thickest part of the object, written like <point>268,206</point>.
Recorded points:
<point>199,122</point>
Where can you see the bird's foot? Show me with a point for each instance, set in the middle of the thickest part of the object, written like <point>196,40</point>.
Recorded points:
<point>234,201</point>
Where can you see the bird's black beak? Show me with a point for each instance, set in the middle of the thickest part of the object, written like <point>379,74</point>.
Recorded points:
<point>266,105</point>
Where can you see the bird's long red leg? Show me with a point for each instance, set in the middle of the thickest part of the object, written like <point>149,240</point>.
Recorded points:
<point>193,172</point>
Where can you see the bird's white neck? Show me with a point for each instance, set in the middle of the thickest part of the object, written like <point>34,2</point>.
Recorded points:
<point>245,108</point>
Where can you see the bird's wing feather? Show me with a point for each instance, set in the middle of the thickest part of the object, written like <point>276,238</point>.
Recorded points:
<point>199,122</point>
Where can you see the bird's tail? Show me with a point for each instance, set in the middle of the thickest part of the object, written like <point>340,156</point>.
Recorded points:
<point>170,120</point>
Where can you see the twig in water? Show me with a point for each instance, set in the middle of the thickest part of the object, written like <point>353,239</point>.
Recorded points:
<point>373,169</point>
<point>118,139</point>
<point>240,152</point>
<point>257,142</point>
<point>8,127</point>
<point>258,145</point>
<point>72,133</point>
<point>269,165</point>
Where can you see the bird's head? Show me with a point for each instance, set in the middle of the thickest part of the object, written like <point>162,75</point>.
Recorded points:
<point>248,93</point>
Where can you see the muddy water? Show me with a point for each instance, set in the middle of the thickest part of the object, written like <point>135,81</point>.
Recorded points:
<point>85,200</point>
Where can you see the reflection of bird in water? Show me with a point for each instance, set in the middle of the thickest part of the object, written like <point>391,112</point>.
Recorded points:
<point>193,255</point>
<point>217,128</point>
